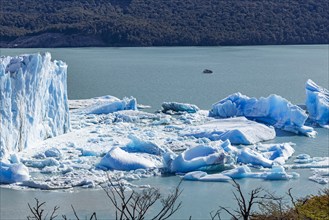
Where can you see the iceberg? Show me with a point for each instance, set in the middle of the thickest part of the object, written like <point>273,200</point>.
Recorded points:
<point>238,130</point>
<point>200,158</point>
<point>33,101</point>
<point>179,107</point>
<point>273,110</point>
<point>317,103</point>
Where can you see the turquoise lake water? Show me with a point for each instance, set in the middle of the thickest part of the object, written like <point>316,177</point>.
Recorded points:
<point>157,74</point>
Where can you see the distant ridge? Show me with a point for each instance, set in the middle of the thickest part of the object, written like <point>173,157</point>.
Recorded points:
<point>80,23</point>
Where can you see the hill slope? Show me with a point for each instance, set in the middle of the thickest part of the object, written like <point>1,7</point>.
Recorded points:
<point>65,23</point>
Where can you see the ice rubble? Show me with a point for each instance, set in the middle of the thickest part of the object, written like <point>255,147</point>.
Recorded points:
<point>317,103</point>
<point>33,101</point>
<point>238,130</point>
<point>273,110</point>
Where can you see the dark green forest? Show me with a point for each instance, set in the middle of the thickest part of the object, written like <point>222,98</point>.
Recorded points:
<point>67,23</point>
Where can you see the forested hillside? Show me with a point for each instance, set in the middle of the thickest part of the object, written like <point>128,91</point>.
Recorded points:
<point>65,23</point>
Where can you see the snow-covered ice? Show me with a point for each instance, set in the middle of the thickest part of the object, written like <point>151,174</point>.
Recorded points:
<point>317,103</point>
<point>238,130</point>
<point>33,101</point>
<point>273,110</point>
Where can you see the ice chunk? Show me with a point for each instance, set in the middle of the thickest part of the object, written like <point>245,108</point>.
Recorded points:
<point>11,173</point>
<point>119,159</point>
<point>33,100</point>
<point>273,110</point>
<point>278,153</point>
<point>278,173</point>
<point>317,103</point>
<point>204,177</point>
<point>314,162</point>
<point>238,130</point>
<point>238,172</point>
<point>275,173</point>
<point>201,157</point>
<point>53,152</point>
<point>248,156</point>
<point>320,176</point>
<point>140,146</point>
<point>111,106</point>
<point>179,107</point>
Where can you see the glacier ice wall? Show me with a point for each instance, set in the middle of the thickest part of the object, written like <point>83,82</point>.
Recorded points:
<point>273,110</point>
<point>33,100</point>
<point>317,103</point>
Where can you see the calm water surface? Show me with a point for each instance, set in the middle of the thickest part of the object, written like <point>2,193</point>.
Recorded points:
<point>155,75</point>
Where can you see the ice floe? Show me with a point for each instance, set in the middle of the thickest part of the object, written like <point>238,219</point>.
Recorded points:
<point>317,103</point>
<point>273,110</point>
<point>275,173</point>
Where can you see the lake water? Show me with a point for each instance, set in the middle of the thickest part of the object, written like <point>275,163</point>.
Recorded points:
<point>157,74</point>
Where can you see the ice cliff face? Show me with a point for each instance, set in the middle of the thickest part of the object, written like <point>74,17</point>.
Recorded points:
<point>33,100</point>
<point>317,103</point>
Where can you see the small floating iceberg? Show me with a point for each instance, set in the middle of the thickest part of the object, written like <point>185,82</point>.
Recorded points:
<point>265,155</point>
<point>238,130</point>
<point>273,110</point>
<point>275,173</point>
<point>317,103</point>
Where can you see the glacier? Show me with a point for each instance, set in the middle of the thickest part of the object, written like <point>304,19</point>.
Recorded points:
<point>33,101</point>
<point>273,110</point>
<point>317,103</point>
